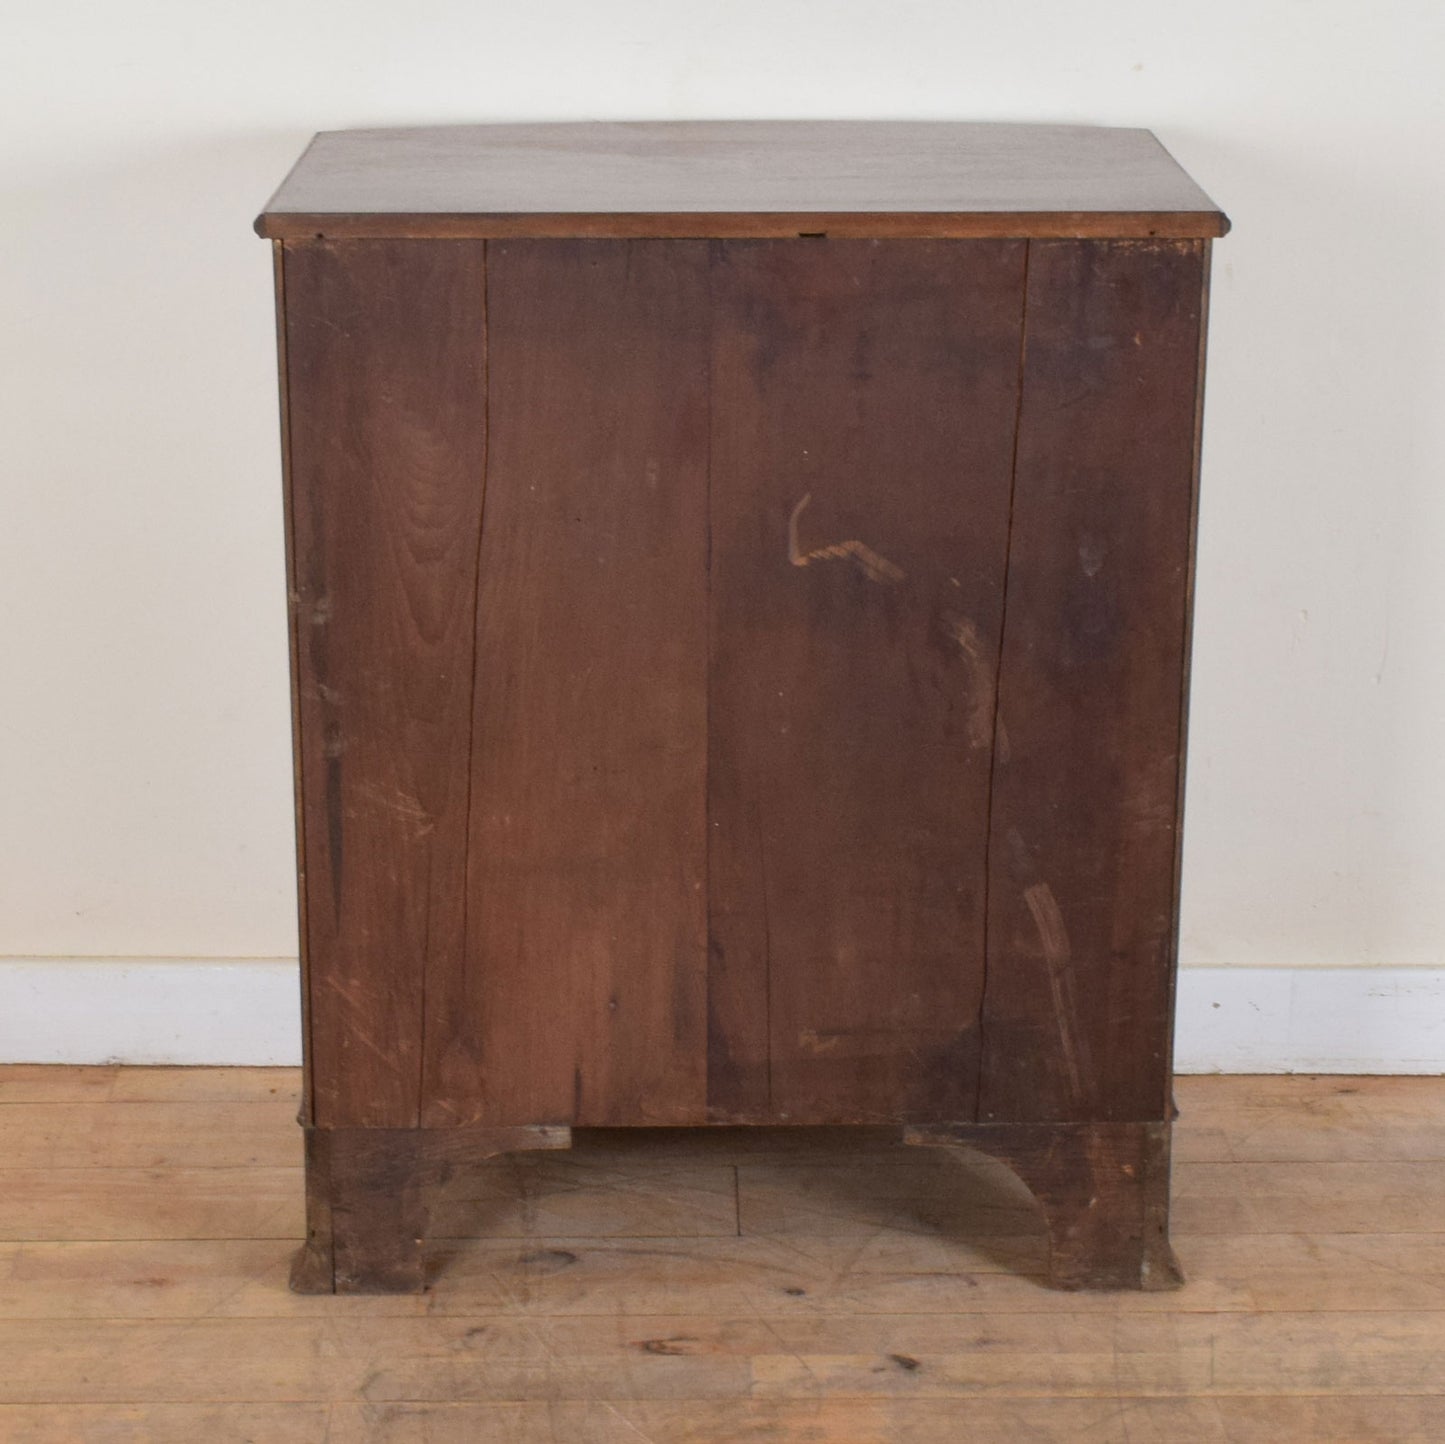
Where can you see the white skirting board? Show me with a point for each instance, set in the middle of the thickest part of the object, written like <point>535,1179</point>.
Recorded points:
<point>243,1011</point>
<point>1310,1020</point>
<point>246,1011</point>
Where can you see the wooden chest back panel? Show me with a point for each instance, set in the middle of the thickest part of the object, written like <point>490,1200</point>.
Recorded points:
<point>1087,770</point>
<point>584,991</point>
<point>384,362</point>
<point>864,397</point>
<point>655,758</point>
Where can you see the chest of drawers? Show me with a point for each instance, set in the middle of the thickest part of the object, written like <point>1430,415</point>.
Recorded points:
<point>740,581</point>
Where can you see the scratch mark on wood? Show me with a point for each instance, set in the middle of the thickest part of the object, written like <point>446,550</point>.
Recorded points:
<point>814,1042</point>
<point>444,1105</point>
<point>1092,551</point>
<point>399,802</point>
<point>626,1422</point>
<point>875,567</point>
<point>333,746</point>
<point>353,992</point>
<point>981,683</point>
<point>1043,907</point>
<point>357,1034</point>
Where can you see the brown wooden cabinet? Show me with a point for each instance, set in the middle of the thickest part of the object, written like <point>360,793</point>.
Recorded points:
<point>740,583</point>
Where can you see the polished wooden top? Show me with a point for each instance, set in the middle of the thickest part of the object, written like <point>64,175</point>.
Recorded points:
<point>738,179</point>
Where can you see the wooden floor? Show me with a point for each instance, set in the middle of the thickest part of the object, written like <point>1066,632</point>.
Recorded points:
<point>714,1287</point>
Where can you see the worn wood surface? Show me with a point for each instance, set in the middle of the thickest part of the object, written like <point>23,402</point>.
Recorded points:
<point>747,225</point>
<point>740,681</point>
<point>385,379</point>
<point>863,410</point>
<point>366,1213</point>
<point>856,1292</point>
<point>860,1292</point>
<point>495,1357</point>
<point>1103,1188</point>
<point>736,683</point>
<point>293,639</point>
<point>1215,1199</point>
<point>899,1266</point>
<point>1318,1420</point>
<point>583,993</point>
<point>1086,798</point>
<point>740,179</point>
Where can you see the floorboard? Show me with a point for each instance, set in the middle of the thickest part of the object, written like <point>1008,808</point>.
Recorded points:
<point>687,1286</point>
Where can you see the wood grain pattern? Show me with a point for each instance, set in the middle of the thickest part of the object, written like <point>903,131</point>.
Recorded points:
<point>1104,1190</point>
<point>864,398</point>
<point>117,1083</point>
<point>230,1134</point>
<point>1225,1118</point>
<point>1206,259</point>
<point>740,179</point>
<point>749,225</point>
<point>366,1212</point>
<point>1219,1419</point>
<point>385,374</point>
<point>293,648</point>
<point>915,1323</point>
<point>582,999</point>
<point>741,680</point>
<point>541,1196</point>
<point>1085,808</point>
<point>171,1202</point>
<point>490,1357</point>
<point>897,1268</point>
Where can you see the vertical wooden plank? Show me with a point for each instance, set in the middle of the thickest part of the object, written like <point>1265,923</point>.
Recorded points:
<point>385,353</point>
<point>865,397</point>
<point>583,995</point>
<point>1085,814</point>
<point>1206,249</point>
<point>278,266</point>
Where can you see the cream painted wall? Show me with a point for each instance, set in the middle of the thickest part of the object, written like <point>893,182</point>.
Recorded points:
<point>144,803</point>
